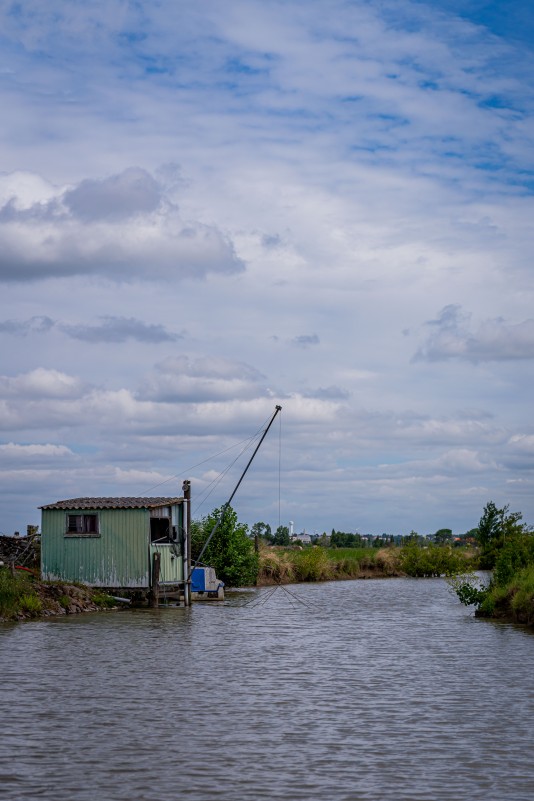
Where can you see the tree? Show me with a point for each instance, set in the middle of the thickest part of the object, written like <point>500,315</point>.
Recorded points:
<point>262,530</point>
<point>489,524</point>
<point>230,551</point>
<point>443,536</point>
<point>496,528</point>
<point>281,536</point>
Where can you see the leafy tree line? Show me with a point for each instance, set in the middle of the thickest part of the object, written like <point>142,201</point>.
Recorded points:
<point>507,548</point>
<point>344,539</point>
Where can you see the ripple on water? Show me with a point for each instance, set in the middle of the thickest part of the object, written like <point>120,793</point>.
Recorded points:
<point>376,690</point>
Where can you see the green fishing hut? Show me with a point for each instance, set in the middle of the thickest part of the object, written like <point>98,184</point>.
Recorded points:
<point>120,544</point>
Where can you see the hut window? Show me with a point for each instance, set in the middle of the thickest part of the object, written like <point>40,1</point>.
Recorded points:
<point>83,525</point>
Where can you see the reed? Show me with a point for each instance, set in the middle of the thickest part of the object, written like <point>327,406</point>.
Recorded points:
<point>17,595</point>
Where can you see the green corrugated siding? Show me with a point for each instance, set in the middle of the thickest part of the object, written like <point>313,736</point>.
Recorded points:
<point>171,565</point>
<point>117,558</point>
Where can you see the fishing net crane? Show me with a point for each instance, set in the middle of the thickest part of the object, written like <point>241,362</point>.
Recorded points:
<point>229,501</point>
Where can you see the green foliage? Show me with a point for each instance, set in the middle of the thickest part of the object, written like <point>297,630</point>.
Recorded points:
<point>496,527</point>
<point>468,588</point>
<point>443,536</point>
<point>281,536</point>
<point>515,553</point>
<point>30,604</point>
<point>230,551</point>
<point>347,567</point>
<point>522,602</point>
<point>312,564</point>
<point>341,539</point>
<point>17,595</point>
<point>262,530</point>
<point>508,547</point>
<point>431,560</point>
<point>103,600</point>
<point>64,601</point>
<point>351,554</point>
<point>413,538</point>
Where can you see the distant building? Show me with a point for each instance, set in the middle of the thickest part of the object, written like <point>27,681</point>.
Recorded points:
<point>304,538</point>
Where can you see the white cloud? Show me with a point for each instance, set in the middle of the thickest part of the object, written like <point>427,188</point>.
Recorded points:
<point>122,227</point>
<point>15,453</point>
<point>181,379</point>
<point>494,340</point>
<point>41,384</point>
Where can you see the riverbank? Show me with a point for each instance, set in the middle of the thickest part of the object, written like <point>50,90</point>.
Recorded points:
<point>278,565</point>
<point>23,597</point>
<point>511,602</point>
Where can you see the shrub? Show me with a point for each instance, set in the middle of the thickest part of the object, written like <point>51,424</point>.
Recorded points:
<point>468,588</point>
<point>312,564</point>
<point>522,602</point>
<point>13,588</point>
<point>276,566</point>
<point>230,551</point>
<point>30,604</point>
<point>432,560</point>
<point>103,600</point>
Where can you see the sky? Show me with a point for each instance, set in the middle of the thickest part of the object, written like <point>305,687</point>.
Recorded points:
<point>209,209</point>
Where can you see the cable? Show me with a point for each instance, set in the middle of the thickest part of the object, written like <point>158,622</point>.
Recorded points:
<point>198,464</point>
<point>279,471</point>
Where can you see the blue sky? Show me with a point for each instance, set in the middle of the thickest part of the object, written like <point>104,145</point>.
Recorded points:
<point>208,210</point>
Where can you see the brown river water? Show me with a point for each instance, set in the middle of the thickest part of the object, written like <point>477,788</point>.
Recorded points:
<point>376,690</point>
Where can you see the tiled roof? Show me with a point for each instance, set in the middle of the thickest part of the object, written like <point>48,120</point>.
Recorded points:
<point>112,503</point>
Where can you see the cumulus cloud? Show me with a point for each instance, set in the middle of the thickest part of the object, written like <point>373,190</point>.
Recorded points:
<point>452,337</point>
<point>131,193</point>
<point>181,379</point>
<point>123,227</point>
<point>41,383</point>
<point>519,452</point>
<point>16,454</point>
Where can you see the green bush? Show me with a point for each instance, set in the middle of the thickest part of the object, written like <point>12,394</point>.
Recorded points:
<point>312,564</point>
<point>12,589</point>
<point>30,604</point>
<point>230,551</point>
<point>522,602</point>
<point>347,567</point>
<point>432,560</point>
<point>467,590</point>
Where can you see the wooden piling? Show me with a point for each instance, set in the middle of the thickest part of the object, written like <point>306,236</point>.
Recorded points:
<point>154,590</point>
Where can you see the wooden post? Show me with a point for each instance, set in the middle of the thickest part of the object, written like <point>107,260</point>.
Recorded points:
<point>154,590</point>
<point>186,488</point>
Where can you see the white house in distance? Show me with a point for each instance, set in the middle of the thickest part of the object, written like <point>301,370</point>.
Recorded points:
<point>304,538</point>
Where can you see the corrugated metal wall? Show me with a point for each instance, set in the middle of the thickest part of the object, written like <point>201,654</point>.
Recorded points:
<point>171,564</point>
<point>117,558</point>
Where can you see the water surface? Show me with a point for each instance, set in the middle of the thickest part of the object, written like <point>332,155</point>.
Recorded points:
<point>376,690</point>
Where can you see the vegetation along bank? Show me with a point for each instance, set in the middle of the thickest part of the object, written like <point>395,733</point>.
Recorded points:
<point>501,544</point>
